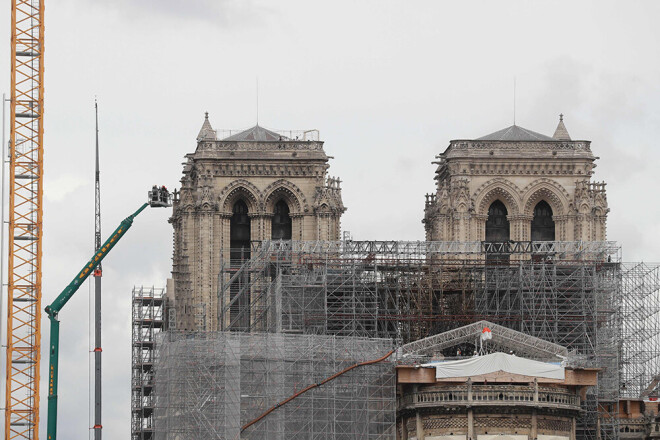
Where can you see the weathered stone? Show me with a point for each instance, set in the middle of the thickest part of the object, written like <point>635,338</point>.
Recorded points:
<point>520,168</point>
<point>259,167</point>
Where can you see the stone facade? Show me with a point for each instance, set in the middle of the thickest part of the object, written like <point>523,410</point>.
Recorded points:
<point>258,168</point>
<point>519,168</point>
<point>476,411</point>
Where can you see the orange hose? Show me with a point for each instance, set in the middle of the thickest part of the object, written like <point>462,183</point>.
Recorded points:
<point>304,390</point>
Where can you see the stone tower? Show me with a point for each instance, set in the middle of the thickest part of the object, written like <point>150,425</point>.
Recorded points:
<point>517,185</point>
<point>251,186</point>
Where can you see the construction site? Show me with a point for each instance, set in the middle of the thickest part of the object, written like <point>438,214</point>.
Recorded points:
<point>297,312</point>
<point>514,319</point>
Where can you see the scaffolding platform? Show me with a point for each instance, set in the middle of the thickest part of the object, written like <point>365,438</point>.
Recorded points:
<point>147,321</point>
<point>576,295</point>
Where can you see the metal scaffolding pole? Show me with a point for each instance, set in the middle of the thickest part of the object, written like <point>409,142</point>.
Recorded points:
<point>574,299</point>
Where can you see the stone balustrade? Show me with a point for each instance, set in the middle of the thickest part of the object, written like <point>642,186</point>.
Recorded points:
<point>491,395</point>
<point>635,428</point>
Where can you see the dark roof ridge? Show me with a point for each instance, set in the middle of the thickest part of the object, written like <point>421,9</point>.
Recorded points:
<point>256,134</point>
<point>515,133</point>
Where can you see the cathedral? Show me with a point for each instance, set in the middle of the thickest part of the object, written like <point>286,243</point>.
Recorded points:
<point>251,186</point>
<point>514,185</point>
<point>515,250</point>
<point>517,185</point>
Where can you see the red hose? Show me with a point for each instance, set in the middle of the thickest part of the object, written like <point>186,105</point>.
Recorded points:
<point>304,390</point>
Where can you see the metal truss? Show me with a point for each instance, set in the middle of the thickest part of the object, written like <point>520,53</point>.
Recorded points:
<point>605,251</point>
<point>502,337</point>
<point>25,220</point>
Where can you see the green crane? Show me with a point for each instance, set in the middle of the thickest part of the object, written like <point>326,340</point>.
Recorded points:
<point>158,197</point>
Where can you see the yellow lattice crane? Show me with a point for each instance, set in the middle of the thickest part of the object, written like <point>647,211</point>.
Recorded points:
<point>25,220</point>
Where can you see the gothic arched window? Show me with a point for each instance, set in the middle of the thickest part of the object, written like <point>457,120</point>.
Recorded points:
<point>497,225</point>
<point>239,232</point>
<point>239,252</point>
<point>543,226</point>
<point>281,225</point>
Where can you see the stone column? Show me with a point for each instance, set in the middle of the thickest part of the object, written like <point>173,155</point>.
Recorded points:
<point>573,427</point>
<point>404,429</point>
<point>580,228</point>
<point>534,431</point>
<point>600,228</point>
<point>479,226</point>
<point>463,230</point>
<point>420,426</point>
<point>225,220</point>
<point>520,225</point>
<point>470,412</point>
<point>561,228</point>
<point>267,222</point>
<point>297,226</point>
<point>570,220</point>
<point>257,231</point>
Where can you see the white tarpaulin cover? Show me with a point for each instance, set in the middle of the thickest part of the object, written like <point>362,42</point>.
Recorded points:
<point>494,362</point>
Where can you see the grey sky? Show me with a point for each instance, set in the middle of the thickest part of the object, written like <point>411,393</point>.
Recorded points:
<point>387,83</point>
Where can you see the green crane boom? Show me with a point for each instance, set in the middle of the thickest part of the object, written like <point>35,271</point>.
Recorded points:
<point>158,198</point>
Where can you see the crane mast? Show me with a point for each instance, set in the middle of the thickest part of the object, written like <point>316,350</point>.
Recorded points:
<point>25,220</point>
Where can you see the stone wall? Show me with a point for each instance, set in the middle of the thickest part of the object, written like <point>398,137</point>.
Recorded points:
<point>471,175</point>
<point>260,173</point>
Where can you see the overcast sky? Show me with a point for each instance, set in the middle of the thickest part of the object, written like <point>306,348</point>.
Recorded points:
<point>387,83</point>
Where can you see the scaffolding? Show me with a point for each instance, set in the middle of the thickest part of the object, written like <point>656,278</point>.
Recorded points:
<point>210,384</point>
<point>410,290</point>
<point>147,321</point>
<point>640,330</point>
<point>575,294</point>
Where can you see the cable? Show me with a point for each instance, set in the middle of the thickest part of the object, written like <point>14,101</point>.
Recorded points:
<point>315,385</point>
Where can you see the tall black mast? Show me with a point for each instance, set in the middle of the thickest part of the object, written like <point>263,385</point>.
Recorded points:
<point>97,291</point>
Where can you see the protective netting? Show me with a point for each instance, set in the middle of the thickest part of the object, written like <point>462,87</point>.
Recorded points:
<point>576,295</point>
<point>209,384</point>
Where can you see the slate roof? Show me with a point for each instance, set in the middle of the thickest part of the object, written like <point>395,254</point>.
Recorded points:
<point>515,133</point>
<point>256,133</point>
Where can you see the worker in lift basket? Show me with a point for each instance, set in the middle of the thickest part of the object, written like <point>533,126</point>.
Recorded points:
<point>155,194</point>
<point>164,195</point>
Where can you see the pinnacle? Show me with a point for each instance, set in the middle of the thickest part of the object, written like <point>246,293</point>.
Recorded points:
<point>206,132</point>
<point>561,134</point>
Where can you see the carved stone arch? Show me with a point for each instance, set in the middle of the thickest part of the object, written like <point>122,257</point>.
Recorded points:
<point>545,189</point>
<point>497,189</point>
<point>284,190</point>
<point>240,189</point>
<point>323,208</point>
<point>584,208</point>
<point>600,201</point>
